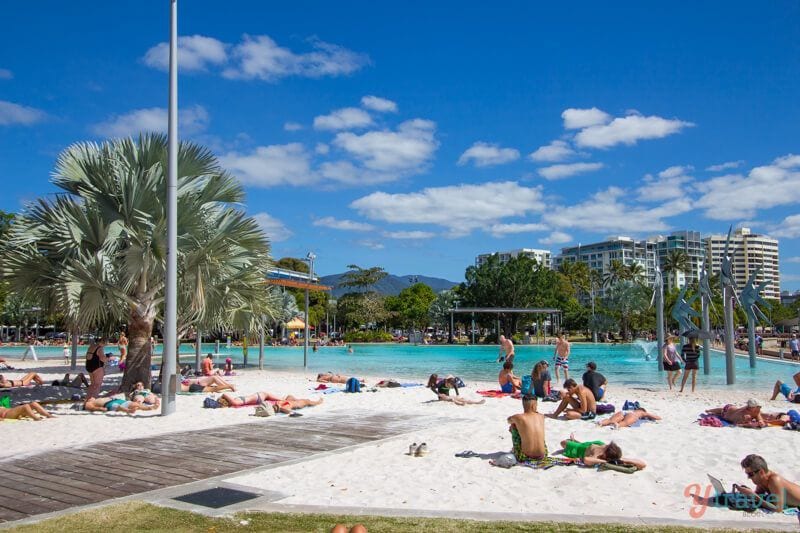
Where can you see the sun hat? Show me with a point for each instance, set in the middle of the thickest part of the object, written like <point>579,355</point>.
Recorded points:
<point>752,402</point>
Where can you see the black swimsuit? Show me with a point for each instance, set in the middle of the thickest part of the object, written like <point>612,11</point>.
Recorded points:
<point>94,363</point>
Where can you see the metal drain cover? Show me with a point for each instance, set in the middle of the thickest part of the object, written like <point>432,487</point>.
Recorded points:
<point>217,497</point>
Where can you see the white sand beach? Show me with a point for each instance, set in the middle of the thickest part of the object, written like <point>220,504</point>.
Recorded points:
<point>677,450</point>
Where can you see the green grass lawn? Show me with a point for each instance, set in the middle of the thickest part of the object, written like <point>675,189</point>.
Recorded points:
<point>138,516</point>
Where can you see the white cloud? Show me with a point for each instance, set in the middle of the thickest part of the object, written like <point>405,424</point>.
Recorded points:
<point>195,53</point>
<point>460,208</point>
<point>793,259</point>
<point>553,152</point>
<point>372,245</point>
<point>292,126</point>
<point>669,184</point>
<point>260,57</point>
<point>606,212</point>
<point>485,154</point>
<point>392,153</point>
<point>191,120</point>
<point>343,119</point>
<point>274,228</point>
<point>381,105</point>
<point>11,113</point>
<point>557,237</point>
<point>575,119</point>
<point>500,230</point>
<point>789,228</point>
<point>322,148</point>
<point>725,166</point>
<point>735,196</point>
<point>268,166</point>
<point>344,225</point>
<point>628,130</point>
<point>408,235</point>
<point>6,74</point>
<point>557,172</point>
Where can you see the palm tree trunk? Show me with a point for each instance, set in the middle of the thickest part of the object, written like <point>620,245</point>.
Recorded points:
<point>138,362</point>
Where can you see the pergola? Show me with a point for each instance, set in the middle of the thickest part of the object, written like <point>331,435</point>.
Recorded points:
<point>555,315</point>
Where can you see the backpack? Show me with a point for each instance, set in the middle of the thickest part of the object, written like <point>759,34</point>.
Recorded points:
<point>605,408</point>
<point>352,385</point>
<point>211,403</point>
<point>527,386</point>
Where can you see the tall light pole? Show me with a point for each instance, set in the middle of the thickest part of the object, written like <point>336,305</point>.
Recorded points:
<point>168,364</point>
<point>310,257</point>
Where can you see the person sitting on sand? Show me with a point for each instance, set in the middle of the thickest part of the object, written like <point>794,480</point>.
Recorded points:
<point>540,379</point>
<point>624,420</point>
<point>527,431</point>
<point>206,384</point>
<point>30,410</point>
<point>772,491</point>
<point>508,381</point>
<point>578,401</point>
<point>597,452</point>
<point>77,382</point>
<point>143,396</point>
<point>442,388</point>
<point>115,404</point>
<point>22,382</point>
<point>595,381</point>
<point>748,416</point>
<point>786,390</point>
<point>207,367</point>
<point>330,377</point>
<point>286,404</point>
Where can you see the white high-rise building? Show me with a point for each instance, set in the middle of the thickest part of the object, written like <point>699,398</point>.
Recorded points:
<point>541,256</point>
<point>749,251</point>
<point>688,242</point>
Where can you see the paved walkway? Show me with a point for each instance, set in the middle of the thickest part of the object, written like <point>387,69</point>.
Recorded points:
<point>58,480</point>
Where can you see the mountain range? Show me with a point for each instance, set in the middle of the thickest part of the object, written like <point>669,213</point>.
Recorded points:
<point>391,285</point>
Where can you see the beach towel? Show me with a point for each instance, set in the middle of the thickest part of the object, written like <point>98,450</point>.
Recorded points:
<point>498,394</point>
<point>407,385</point>
<point>548,462</point>
<point>712,421</point>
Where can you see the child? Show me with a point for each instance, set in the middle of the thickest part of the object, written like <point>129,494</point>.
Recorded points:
<point>229,367</point>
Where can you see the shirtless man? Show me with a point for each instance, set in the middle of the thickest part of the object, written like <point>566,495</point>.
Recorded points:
<point>508,381</point>
<point>506,350</point>
<point>596,452</point>
<point>624,420</point>
<point>527,431</point>
<point>772,491</point>
<point>561,355</point>
<point>748,416</point>
<point>578,401</point>
<point>786,390</point>
<point>330,377</point>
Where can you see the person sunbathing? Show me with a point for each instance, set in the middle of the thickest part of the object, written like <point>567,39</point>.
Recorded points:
<point>23,382</point>
<point>527,432</point>
<point>143,396</point>
<point>30,410</point>
<point>748,416</point>
<point>441,388</point>
<point>772,491</point>
<point>330,377</point>
<point>77,382</point>
<point>286,404</point>
<point>597,452</point>
<point>206,384</point>
<point>577,401</point>
<point>786,389</point>
<point>115,404</point>
<point>624,420</point>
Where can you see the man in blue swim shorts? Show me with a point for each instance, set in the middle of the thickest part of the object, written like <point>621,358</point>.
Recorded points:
<point>786,389</point>
<point>562,356</point>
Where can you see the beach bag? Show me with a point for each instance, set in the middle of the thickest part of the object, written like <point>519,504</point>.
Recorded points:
<point>264,410</point>
<point>5,401</point>
<point>605,408</point>
<point>460,383</point>
<point>211,403</point>
<point>527,386</point>
<point>352,385</point>
<point>794,416</point>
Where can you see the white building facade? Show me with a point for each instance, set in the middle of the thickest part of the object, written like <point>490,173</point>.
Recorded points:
<point>543,257</point>
<point>749,252</point>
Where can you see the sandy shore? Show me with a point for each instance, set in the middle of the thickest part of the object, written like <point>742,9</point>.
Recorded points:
<point>678,451</point>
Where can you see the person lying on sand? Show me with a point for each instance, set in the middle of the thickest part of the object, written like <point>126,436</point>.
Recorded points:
<point>285,404</point>
<point>115,404</point>
<point>206,384</point>
<point>77,382</point>
<point>624,420</point>
<point>772,491</point>
<point>577,400</point>
<point>527,431</point>
<point>748,416</point>
<point>786,389</point>
<point>442,388</point>
<point>330,377</point>
<point>597,452</point>
<point>143,396</point>
<point>22,382</point>
<point>30,410</point>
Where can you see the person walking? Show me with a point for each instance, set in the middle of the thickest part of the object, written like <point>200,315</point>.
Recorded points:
<point>691,355</point>
<point>95,361</point>
<point>671,360</point>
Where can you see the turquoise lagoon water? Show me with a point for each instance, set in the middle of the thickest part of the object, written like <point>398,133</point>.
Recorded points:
<point>625,364</point>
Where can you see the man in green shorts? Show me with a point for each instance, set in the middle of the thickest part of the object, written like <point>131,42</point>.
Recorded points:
<point>527,431</point>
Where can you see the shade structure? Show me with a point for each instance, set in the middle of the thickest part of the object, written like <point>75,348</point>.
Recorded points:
<point>296,323</point>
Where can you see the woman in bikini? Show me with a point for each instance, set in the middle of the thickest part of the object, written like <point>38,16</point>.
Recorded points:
<point>206,384</point>
<point>23,382</point>
<point>441,388</point>
<point>624,420</point>
<point>144,396</point>
<point>31,410</point>
<point>95,361</point>
<point>287,404</point>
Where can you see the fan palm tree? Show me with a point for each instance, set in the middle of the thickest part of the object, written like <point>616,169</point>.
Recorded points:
<point>676,261</point>
<point>97,251</point>
<point>616,272</point>
<point>634,272</point>
<point>286,310</point>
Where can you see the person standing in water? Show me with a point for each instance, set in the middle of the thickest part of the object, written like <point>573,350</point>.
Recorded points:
<point>691,355</point>
<point>561,355</point>
<point>672,361</point>
<point>506,350</point>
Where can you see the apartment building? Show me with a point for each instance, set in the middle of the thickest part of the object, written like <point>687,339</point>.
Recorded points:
<point>691,243</point>
<point>748,252</point>
<point>543,257</point>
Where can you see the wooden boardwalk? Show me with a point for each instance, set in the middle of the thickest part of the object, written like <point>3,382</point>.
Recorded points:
<point>58,480</point>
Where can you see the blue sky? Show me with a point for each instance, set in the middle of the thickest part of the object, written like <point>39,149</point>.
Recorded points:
<point>415,137</point>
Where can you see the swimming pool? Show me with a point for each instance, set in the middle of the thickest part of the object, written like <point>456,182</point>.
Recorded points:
<point>623,364</point>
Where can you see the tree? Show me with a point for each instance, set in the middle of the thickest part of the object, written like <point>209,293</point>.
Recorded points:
<point>634,272</point>
<point>616,272</point>
<point>675,262</point>
<point>440,308</point>
<point>412,305</point>
<point>97,252</point>
<point>293,263</point>
<point>627,302</point>
<point>362,278</point>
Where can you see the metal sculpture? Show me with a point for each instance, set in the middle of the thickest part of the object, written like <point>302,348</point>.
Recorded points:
<point>682,312</point>
<point>728,283</point>
<point>749,300</point>
<point>658,299</point>
<point>706,303</point>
